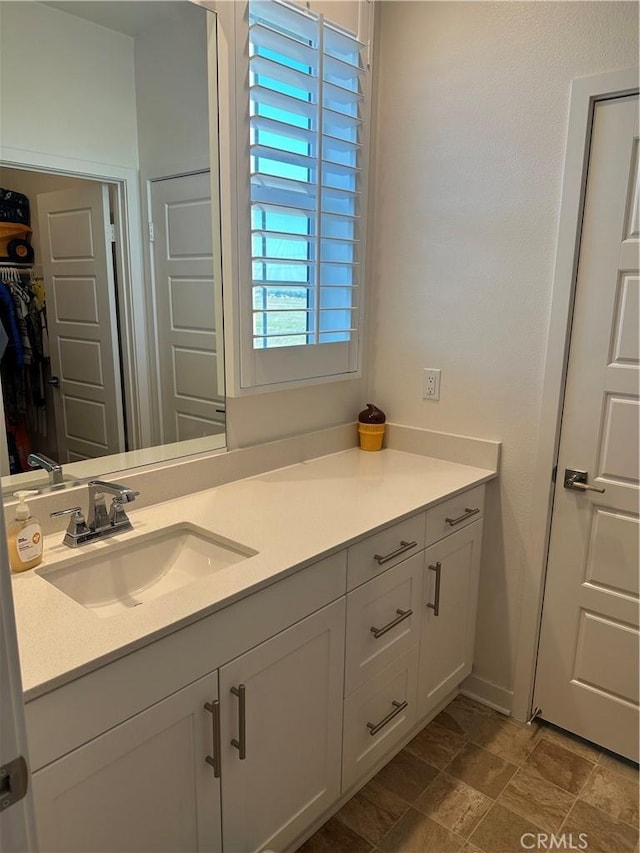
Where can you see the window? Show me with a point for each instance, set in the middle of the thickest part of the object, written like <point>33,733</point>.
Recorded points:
<point>301,294</point>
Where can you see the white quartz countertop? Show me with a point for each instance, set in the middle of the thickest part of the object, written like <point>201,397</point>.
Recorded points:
<point>290,517</point>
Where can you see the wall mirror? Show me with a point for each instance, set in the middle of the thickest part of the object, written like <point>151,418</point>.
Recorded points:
<point>110,294</point>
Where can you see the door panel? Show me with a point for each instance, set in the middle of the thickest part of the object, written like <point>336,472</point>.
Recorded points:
<point>81,318</point>
<point>614,568</point>
<point>587,676</point>
<point>599,639</point>
<point>190,380</point>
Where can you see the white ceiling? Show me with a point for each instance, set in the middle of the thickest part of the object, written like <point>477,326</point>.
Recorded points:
<point>130,17</point>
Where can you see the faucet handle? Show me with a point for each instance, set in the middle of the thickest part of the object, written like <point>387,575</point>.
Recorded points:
<point>117,515</point>
<point>77,528</point>
<point>76,509</point>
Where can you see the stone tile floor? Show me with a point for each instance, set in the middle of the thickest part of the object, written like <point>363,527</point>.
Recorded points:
<point>474,780</point>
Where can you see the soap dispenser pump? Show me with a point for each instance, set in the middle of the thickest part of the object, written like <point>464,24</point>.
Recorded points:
<point>24,537</point>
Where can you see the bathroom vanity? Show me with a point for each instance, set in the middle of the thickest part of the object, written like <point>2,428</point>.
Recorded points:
<point>239,710</point>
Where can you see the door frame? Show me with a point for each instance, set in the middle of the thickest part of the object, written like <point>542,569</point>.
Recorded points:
<point>129,269</point>
<point>585,93</point>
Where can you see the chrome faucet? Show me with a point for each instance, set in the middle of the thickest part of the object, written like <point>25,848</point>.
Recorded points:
<point>53,468</point>
<point>99,523</point>
<point>97,518</point>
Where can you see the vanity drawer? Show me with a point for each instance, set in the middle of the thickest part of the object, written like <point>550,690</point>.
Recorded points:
<point>379,552</point>
<point>454,514</point>
<point>390,603</point>
<point>378,716</point>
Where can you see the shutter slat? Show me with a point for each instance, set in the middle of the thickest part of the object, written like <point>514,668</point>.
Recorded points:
<point>341,73</point>
<point>299,23</point>
<point>285,235</point>
<point>281,128</point>
<point>279,155</point>
<point>301,285</point>
<point>340,100</point>
<point>264,37</point>
<point>302,238</point>
<point>340,125</point>
<point>290,309</point>
<point>341,44</point>
<point>283,191</point>
<point>287,104</point>
<point>349,69</point>
<point>261,67</point>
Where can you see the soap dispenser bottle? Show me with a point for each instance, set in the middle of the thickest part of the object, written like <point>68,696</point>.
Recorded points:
<point>24,537</point>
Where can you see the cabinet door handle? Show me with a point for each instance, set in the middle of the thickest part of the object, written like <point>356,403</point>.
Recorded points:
<point>402,615</point>
<point>404,546</point>
<point>398,708</point>
<point>241,743</point>
<point>214,710</point>
<point>436,604</point>
<point>467,514</point>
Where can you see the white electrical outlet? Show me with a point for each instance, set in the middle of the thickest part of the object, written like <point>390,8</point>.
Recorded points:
<point>431,384</point>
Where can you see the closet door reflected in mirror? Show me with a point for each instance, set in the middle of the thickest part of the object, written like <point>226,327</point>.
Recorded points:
<point>122,182</point>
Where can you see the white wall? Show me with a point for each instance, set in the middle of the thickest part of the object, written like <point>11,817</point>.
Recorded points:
<point>472,121</point>
<point>266,417</point>
<point>172,94</point>
<point>66,86</point>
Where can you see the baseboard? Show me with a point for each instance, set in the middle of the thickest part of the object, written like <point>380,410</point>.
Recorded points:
<point>488,693</point>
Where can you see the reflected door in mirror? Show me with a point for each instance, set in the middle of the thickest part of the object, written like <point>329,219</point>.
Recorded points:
<point>81,316</point>
<point>192,401</point>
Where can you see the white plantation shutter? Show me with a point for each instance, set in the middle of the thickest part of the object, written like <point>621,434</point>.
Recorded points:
<point>307,117</point>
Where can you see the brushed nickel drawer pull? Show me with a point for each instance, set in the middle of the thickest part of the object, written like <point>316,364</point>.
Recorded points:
<point>398,708</point>
<point>402,615</point>
<point>467,514</point>
<point>404,546</point>
<point>214,710</point>
<point>436,604</point>
<point>241,743</point>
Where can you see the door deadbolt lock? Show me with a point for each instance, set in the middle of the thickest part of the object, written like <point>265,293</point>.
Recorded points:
<point>577,481</point>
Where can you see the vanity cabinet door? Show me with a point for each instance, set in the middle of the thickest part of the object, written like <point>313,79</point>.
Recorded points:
<point>448,615</point>
<point>282,710</point>
<point>143,786</point>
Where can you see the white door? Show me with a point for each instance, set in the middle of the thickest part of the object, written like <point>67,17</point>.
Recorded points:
<point>142,787</point>
<point>75,236</point>
<point>17,832</point>
<point>587,675</point>
<point>289,719</point>
<point>187,308</point>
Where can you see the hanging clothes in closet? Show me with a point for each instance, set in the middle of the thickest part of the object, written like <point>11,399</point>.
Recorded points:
<point>24,363</point>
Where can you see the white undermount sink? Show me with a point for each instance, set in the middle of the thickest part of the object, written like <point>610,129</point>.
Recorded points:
<point>127,574</point>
